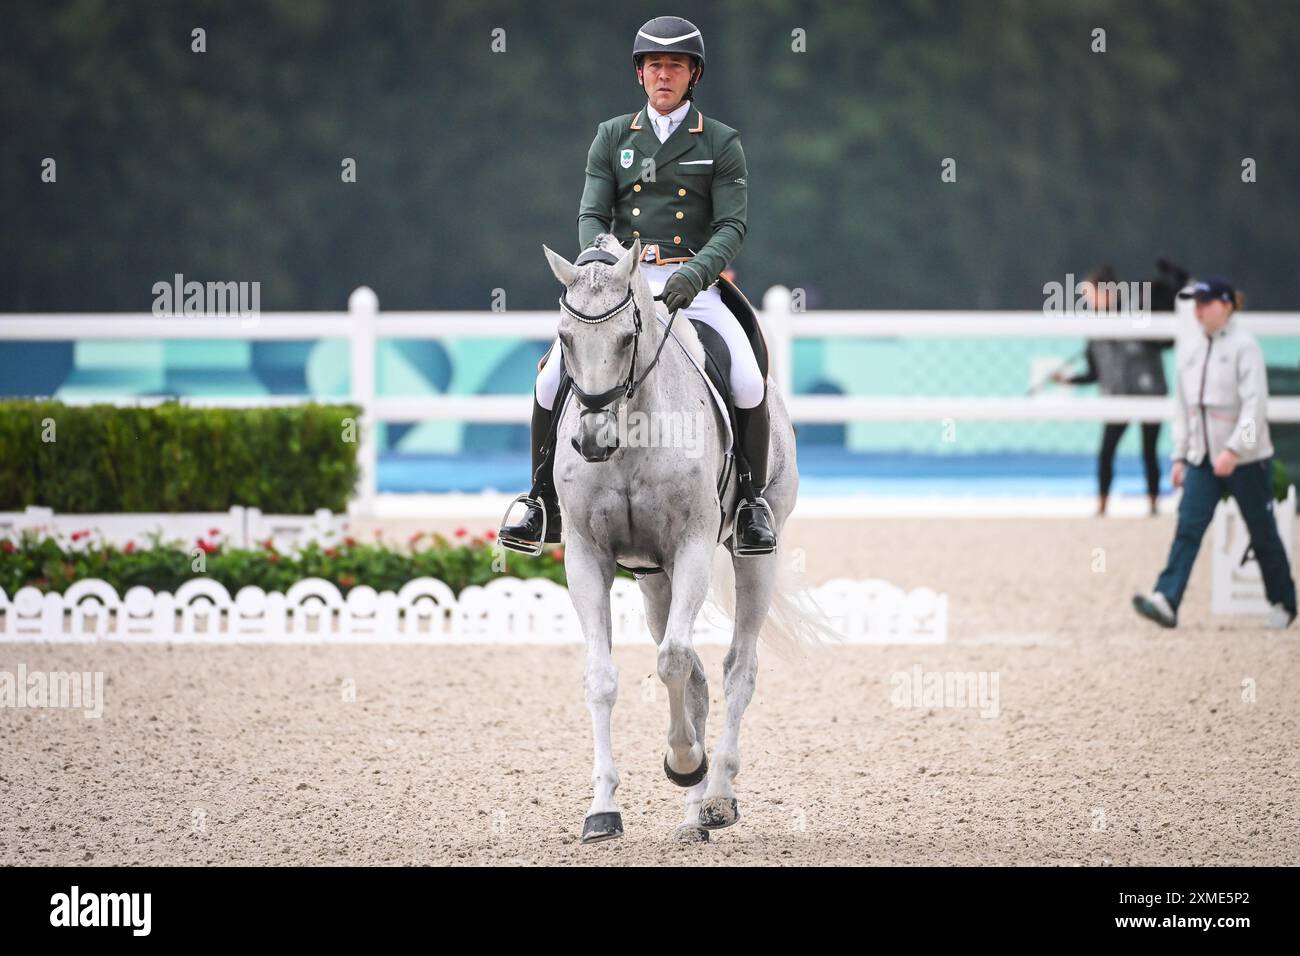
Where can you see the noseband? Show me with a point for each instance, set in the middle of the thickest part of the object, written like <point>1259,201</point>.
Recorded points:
<point>631,383</point>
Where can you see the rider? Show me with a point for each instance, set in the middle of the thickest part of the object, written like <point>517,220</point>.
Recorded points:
<point>675,179</point>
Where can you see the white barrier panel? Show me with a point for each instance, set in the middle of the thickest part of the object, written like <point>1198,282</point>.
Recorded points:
<point>364,325</point>
<point>424,611</point>
<point>1236,585</point>
<point>240,527</point>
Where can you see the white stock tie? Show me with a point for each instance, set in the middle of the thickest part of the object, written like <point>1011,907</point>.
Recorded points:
<point>665,127</point>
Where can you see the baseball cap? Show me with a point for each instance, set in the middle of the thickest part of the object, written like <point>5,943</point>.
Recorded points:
<point>1209,289</point>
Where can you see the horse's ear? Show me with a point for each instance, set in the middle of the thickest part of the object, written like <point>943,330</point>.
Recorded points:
<point>564,269</point>
<point>627,265</point>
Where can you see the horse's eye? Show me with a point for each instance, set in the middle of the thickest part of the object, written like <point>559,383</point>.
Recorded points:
<point>626,340</point>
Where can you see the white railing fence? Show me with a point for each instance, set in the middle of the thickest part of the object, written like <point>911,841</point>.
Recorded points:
<point>363,325</point>
<point>424,611</point>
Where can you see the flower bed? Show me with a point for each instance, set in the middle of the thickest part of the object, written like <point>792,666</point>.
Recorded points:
<point>52,562</point>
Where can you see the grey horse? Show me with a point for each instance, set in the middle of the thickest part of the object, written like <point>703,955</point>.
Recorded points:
<point>657,505</point>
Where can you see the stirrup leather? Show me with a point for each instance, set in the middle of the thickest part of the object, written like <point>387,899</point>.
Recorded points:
<point>745,505</point>
<point>518,544</point>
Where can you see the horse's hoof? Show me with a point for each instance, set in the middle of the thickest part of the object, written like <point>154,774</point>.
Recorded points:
<point>687,779</point>
<point>602,826</point>
<point>690,833</point>
<point>718,813</point>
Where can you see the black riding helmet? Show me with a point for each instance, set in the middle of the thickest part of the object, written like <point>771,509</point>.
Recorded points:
<point>670,35</point>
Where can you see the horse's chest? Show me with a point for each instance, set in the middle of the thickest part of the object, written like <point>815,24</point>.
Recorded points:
<point>619,515</point>
<point>624,511</point>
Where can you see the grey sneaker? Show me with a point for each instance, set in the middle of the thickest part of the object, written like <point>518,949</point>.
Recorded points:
<point>1279,617</point>
<point>1155,607</point>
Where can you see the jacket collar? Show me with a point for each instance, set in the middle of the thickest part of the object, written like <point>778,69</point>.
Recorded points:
<point>681,140</point>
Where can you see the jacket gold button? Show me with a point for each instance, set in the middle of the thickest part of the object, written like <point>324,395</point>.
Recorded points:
<point>681,215</point>
<point>636,212</point>
<point>681,192</point>
<point>636,233</point>
<point>636,187</point>
<point>677,240</point>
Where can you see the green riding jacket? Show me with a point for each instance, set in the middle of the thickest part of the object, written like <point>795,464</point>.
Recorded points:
<point>686,195</point>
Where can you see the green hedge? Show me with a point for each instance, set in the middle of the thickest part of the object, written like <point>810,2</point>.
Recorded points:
<point>174,458</point>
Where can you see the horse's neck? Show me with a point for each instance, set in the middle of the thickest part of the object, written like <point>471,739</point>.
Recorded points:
<point>673,365</point>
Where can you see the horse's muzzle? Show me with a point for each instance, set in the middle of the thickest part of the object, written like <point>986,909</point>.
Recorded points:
<point>597,434</point>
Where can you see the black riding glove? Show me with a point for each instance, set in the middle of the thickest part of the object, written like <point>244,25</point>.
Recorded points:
<point>678,292</point>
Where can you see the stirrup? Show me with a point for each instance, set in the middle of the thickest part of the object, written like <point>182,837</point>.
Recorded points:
<point>745,505</point>
<point>518,544</point>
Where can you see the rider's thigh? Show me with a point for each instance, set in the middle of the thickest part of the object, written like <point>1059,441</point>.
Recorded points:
<point>746,379</point>
<point>548,379</point>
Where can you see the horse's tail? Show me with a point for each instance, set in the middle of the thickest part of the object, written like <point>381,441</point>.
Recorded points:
<point>795,623</point>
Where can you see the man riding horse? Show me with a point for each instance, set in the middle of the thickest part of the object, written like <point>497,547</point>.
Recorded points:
<point>675,179</point>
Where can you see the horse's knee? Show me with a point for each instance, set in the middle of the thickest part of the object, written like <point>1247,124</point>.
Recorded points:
<point>676,661</point>
<point>601,684</point>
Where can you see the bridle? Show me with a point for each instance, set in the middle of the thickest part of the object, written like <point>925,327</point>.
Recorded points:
<point>627,388</point>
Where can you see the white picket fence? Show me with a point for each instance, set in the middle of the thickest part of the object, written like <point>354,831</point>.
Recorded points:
<point>424,611</point>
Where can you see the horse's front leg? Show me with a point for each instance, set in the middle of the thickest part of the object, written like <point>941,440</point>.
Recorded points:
<point>590,574</point>
<point>685,762</point>
<point>755,580</point>
<point>657,589</point>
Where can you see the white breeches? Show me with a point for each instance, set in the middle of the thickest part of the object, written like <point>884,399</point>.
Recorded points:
<point>746,380</point>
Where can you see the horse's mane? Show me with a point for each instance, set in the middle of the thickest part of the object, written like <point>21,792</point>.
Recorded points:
<point>597,273</point>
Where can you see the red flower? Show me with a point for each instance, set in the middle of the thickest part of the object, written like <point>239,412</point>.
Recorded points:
<point>490,534</point>
<point>557,554</point>
<point>346,580</point>
<point>8,546</point>
<point>208,548</point>
<point>213,532</point>
<point>461,532</point>
<point>268,544</point>
<point>379,532</point>
<point>273,558</point>
<point>130,547</point>
<point>350,541</point>
<point>331,552</point>
<point>78,535</point>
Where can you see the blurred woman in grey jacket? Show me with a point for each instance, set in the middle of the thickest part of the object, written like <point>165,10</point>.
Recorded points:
<point>1222,446</point>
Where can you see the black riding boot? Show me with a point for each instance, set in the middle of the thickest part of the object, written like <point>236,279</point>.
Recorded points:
<point>754,532</point>
<point>526,534</point>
